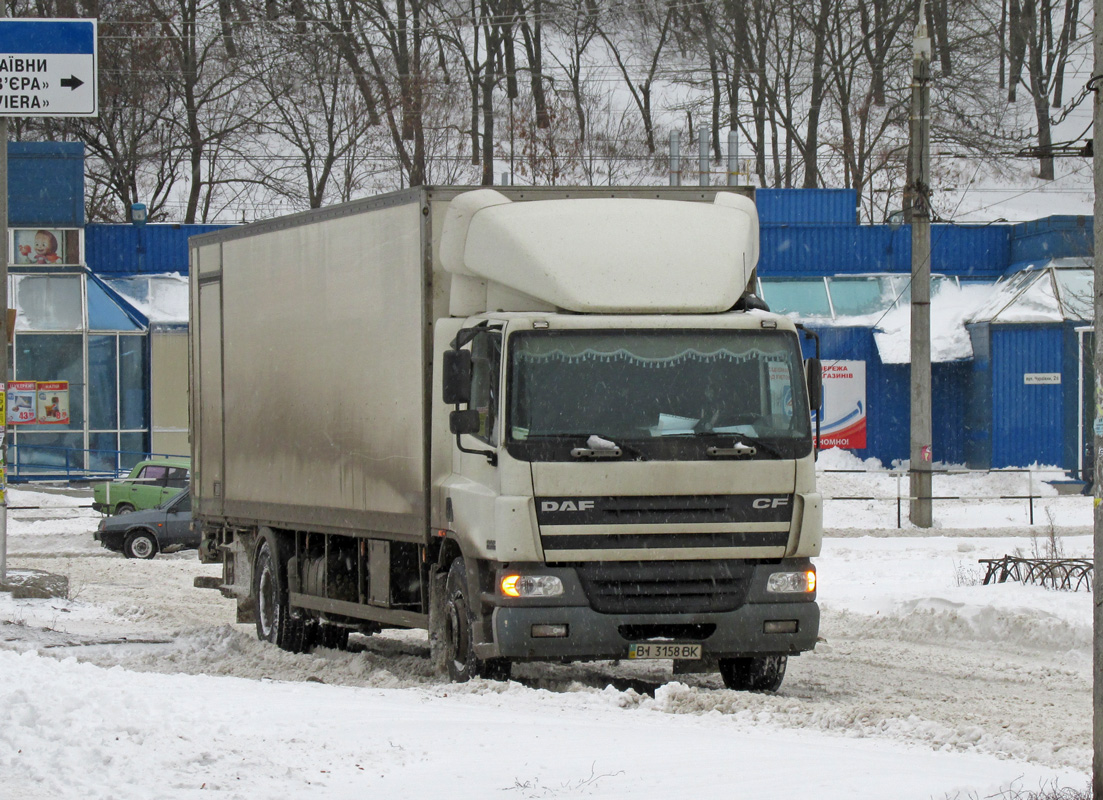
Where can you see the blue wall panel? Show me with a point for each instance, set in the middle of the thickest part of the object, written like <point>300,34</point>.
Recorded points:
<point>130,250</point>
<point>815,250</point>
<point>45,184</point>
<point>888,396</point>
<point>1027,420</point>
<point>978,413</point>
<point>1052,237</point>
<point>807,206</point>
<point>950,402</point>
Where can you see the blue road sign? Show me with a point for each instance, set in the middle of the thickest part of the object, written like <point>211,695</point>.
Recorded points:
<point>48,68</point>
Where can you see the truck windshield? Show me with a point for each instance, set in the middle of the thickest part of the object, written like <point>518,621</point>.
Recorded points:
<point>659,385</point>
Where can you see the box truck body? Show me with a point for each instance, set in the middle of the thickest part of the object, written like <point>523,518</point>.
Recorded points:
<point>541,423</point>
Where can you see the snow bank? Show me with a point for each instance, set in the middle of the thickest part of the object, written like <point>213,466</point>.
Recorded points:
<point>925,684</point>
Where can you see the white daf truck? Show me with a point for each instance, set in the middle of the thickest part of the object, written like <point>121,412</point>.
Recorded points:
<point>543,424</point>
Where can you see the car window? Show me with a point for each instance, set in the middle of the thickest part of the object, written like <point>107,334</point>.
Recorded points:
<point>178,477</point>
<point>183,505</point>
<point>153,474</point>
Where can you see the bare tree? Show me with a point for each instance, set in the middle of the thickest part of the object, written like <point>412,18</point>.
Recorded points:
<point>1043,34</point>
<point>577,29</point>
<point>132,154</point>
<point>315,117</point>
<point>642,33</point>
<point>212,112</point>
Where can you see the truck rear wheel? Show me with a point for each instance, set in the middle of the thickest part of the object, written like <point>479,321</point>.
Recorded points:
<point>761,674</point>
<point>459,623</point>
<point>273,613</point>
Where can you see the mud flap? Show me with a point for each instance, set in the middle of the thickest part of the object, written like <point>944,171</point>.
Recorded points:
<point>437,649</point>
<point>246,610</point>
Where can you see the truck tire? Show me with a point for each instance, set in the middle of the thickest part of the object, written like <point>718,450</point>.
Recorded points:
<point>760,674</point>
<point>140,544</point>
<point>275,623</point>
<point>459,624</point>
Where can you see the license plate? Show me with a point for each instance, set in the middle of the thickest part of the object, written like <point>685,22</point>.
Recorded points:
<point>676,651</point>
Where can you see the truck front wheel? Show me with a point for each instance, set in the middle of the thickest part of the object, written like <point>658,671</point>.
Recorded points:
<point>761,674</point>
<point>459,624</point>
<point>273,614</point>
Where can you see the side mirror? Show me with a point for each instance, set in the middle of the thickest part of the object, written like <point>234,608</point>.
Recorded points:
<point>815,382</point>
<point>466,421</point>
<point>457,377</point>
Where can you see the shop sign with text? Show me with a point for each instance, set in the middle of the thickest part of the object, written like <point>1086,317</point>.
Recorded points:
<point>843,413</point>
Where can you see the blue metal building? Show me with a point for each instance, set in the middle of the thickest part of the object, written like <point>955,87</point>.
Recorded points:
<point>1016,397</point>
<point>1012,399</point>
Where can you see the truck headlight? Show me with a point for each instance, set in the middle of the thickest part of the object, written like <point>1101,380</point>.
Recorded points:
<point>792,582</point>
<point>531,586</point>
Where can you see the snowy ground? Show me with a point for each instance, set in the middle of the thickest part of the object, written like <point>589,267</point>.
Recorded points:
<point>926,684</point>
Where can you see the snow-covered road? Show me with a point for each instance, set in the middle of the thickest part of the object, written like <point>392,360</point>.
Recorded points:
<point>926,685</point>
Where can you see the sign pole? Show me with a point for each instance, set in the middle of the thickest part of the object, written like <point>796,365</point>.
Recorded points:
<point>4,334</point>
<point>1096,454</point>
<point>51,66</point>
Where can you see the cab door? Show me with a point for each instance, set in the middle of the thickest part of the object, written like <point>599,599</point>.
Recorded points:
<point>476,424</point>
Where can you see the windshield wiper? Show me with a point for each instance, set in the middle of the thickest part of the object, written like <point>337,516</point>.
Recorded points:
<point>596,446</point>
<point>743,447</point>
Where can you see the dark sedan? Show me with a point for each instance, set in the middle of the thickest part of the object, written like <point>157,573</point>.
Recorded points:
<point>143,534</point>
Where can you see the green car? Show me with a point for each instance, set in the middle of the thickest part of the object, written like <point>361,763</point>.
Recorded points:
<point>150,483</point>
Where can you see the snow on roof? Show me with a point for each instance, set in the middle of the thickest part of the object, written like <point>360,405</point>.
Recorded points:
<point>161,298</point>
<point>1054,290</point>
<point>1050,291</point>
<point>950,340</point>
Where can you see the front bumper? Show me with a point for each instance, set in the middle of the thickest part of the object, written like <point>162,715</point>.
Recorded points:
<point>592,635</point>
<point>599,626</point>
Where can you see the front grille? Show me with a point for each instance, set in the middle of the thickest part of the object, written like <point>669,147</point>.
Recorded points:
<point>665,510</point>
<point>684,587</point>
<point>560,542</point>
<point>677,633</point>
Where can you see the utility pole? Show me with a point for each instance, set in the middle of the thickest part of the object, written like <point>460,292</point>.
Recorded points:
<point>733,157</point>
<point>917,206</point>
<point>703,156</point>
<point>1097,450</point>
<point>675,163</point>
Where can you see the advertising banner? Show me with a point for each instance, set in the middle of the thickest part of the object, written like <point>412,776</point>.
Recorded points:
<point>53,403</point>
<point>843,413</point>
<point>22,407</point>
<point>46,247</point>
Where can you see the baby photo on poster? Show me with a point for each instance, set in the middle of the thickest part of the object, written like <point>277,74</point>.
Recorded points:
<point>45,247</point>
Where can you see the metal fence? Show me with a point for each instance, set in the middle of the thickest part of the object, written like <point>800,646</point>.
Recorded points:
<point>32,463</point>
<point>902,495</point>
<point>1066,574</point>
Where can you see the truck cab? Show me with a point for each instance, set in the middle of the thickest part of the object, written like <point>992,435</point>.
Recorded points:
<point>632,486</point>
